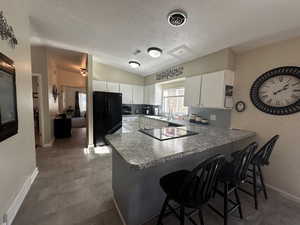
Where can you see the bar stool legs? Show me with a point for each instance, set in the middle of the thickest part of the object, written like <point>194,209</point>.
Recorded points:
<point>255,187</point>
<point>161,215</point>
<point>262,182</point>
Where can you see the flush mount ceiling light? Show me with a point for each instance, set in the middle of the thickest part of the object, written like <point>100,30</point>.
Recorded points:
<point>83,72</point>
<point>134,64</point>
<point>177,18</point>
<point>154,52</point>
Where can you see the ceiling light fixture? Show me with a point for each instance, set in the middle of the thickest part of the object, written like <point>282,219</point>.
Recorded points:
<point>177,18</point>
<point>134,64</point>
<point>83,72</point>
<point>154,52</point>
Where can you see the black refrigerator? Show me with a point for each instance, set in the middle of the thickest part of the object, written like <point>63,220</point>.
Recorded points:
<point>107,115</point>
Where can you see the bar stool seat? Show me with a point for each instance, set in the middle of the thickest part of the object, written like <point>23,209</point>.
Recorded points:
<point>169,183</point>
<point>190,189</point>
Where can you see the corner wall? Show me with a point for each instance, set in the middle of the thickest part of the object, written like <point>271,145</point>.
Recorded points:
<point>17,154</point>
<point>284,171</point>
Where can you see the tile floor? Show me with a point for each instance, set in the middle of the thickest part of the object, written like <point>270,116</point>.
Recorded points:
<point>74,188</point>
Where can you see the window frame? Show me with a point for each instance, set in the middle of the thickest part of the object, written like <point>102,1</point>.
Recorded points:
<point>173,96</point>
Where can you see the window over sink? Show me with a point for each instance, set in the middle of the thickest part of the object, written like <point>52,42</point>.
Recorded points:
<point>173,102</point>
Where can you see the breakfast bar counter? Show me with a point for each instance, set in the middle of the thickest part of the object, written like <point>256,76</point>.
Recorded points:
<point>139,161</point>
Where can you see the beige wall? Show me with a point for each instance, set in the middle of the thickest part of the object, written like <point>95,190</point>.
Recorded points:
<point>109,73</point>
<point>284,171</point>
<point>217,61</point>
<point>17,154</point>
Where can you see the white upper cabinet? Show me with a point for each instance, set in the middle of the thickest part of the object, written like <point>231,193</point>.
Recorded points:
<point>138,94</point>
<point>152,94</point>
<point>113,87</point>
<point>209,90</point>
<point>192,91</point>
<point>99,85</point>
<point>213,90</point>
<point>126,91</point>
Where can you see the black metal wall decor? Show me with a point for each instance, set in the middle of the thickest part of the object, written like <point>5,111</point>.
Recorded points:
<point>170,73</point>
<point>7,32</point>
<point>277,91</point>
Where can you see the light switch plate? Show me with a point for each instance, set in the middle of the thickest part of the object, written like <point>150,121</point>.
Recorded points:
<point>213,117</point>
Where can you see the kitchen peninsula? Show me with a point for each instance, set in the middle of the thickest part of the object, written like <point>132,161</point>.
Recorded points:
<point>140,160</point>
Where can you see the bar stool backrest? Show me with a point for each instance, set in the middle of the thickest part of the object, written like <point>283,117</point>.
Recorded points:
<point>198,185</point>
<point>242,162</point>
<point>263,155</point>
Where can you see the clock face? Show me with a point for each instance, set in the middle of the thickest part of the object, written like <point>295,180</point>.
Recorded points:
<point>277,91</point>
<point>280,91</point>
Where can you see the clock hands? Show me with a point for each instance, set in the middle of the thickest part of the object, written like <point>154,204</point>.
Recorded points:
<point>285,87</point>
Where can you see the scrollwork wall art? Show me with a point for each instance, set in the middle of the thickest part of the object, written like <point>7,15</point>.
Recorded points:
<point>7,32</point>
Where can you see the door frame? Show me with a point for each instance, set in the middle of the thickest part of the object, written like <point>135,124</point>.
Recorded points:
<point>41,108</point>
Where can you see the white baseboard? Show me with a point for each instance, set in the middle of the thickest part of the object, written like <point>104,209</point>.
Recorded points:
<point>91,147</point>
<point>17,202</point>
<point>49,145</point>
<point>284,193</point>
<point>119,211</point>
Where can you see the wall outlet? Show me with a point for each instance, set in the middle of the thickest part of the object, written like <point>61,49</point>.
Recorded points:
<point>213,117</point>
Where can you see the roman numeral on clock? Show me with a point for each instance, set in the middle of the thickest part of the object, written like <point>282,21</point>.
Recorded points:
<point>295,84</point>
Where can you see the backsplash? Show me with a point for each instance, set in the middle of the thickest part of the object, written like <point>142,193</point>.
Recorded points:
<point>139,109</point>
<point>222,116</point>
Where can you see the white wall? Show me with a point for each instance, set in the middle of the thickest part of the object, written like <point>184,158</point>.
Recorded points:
<point>17,154</point>
<point>284,170</point>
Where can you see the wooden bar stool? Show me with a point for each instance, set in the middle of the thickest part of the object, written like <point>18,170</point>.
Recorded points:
<point>232,175</point>
<point>260,159</point>
<point>190,189</point>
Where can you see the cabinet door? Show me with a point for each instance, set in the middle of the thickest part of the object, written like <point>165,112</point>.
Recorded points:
<point>113,87</point>
<point>157,95</point>
<point>213,90</point>
<point>99,85</point>
<point>126,91</point>
<point>192,91</point>
<point>146,95</point>
<point>138,94</point>
<point>151,94</point>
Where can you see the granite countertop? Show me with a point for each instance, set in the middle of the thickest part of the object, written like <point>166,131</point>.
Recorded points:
<point>142,151</point>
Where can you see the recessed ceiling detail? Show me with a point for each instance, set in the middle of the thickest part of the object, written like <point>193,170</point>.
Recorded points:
<point>177,18</point>
<point>154,52</point>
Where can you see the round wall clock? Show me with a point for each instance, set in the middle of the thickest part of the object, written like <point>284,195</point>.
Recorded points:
<point>277,91</point>
<point>240,106</point>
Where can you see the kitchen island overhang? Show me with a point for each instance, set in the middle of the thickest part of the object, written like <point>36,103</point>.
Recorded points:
<point>139,161</point>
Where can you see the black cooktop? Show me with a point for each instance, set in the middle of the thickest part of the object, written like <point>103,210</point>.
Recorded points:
<point>167,133</point>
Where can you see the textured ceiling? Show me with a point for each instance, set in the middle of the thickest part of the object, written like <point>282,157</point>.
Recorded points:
<point>112,30</point>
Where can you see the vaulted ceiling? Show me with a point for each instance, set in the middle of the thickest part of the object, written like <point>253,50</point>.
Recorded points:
<point>113,30</point>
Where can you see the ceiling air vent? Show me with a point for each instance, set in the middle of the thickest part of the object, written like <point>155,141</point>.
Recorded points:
<point>177,18</point>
